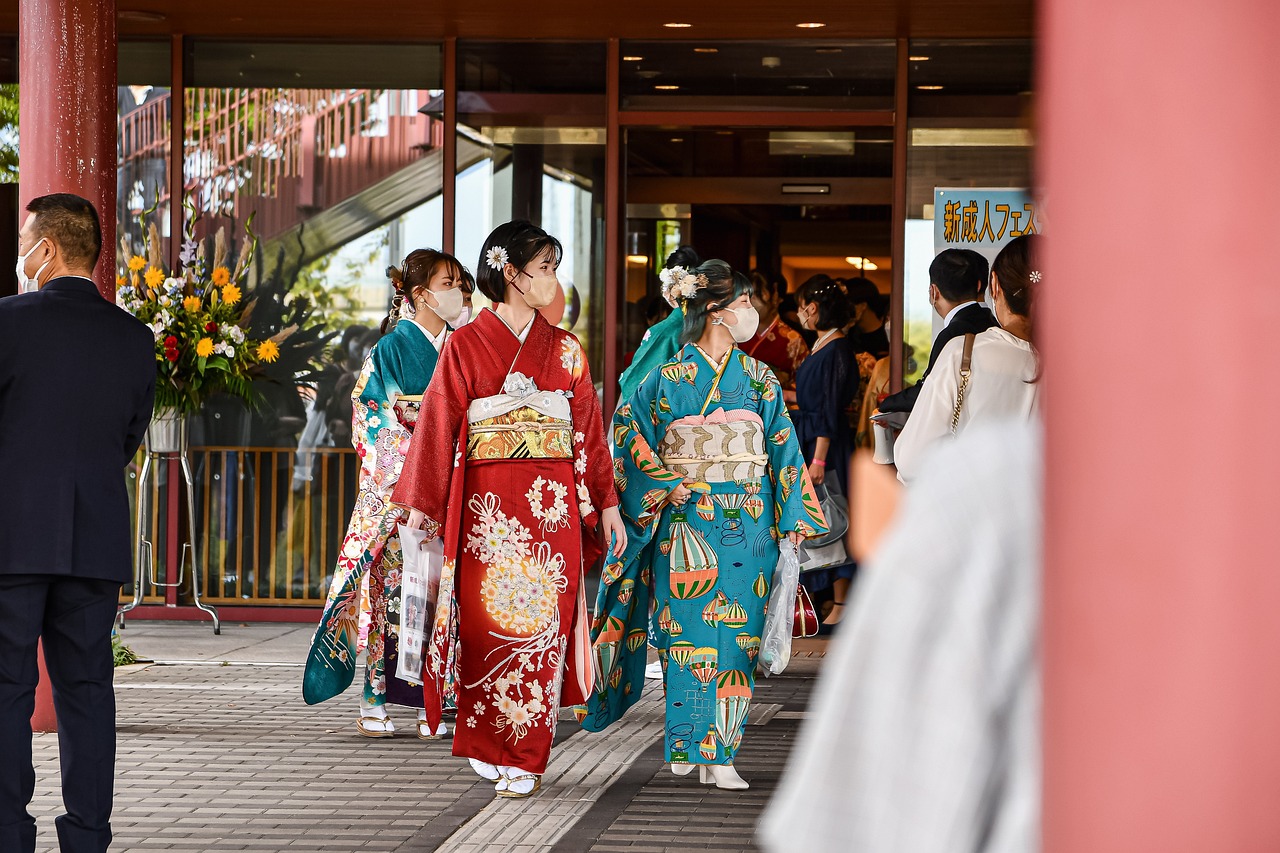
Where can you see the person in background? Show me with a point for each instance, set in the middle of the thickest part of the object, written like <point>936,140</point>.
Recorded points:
<point>662,340</point>
<point>776,343</point>
<point>430,296</point>
<point>825,388</point>
<point>1002,384</point>
<point>957,283</point>
<point>869,307</point>
<point>77,385</point>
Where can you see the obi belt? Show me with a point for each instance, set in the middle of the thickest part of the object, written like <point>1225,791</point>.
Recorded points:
<point>534,425</point>
<point>718,448</point>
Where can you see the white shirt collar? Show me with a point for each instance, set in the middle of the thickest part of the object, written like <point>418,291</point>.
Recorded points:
<point>946,321</point>
<point>437,341</point>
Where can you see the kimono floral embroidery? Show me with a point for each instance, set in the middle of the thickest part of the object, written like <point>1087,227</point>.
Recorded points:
<point>571,356</point>
<point>520,704</point>
<point>494,537</point>
<point>550,518</point>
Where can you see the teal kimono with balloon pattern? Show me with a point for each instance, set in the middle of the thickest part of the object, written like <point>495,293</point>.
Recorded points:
<point>694,580</point>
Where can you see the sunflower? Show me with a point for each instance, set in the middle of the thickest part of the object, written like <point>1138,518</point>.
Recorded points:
<point>268,351</point>
<point>221,276</point>
<point>231,294</point>
<point>192,304</point>
<point>204,348</point>
<point>154,277</point>
<point>136,263</point>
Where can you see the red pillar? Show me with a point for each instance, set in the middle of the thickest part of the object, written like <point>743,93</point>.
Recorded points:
<point>67,109</point>
<point>1162,706</point>
<point>67,133</point>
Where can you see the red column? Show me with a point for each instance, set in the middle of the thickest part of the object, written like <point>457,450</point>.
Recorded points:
<point>67,109</point>
<point>67,132</point>
<point>1162,588</point>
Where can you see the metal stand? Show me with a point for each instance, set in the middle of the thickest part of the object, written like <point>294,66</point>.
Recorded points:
<point>166,440</point>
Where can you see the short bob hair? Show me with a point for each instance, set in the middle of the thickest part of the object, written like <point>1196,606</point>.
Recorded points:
<point>724,285</point>
<point>834,310</point>
<point>523,242</point>
<point>959,274</point>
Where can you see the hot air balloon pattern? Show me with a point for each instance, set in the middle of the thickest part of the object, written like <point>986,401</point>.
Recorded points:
<point>733,700</point>
<point>606,645</point>
<point>625,591</point>
<point>707,563</point>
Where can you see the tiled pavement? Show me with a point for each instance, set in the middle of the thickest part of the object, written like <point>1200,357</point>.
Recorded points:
<point>225,756</point>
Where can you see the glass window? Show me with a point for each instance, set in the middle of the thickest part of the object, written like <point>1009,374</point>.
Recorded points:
<point>326,150</point>
<point>969,125</point>
<point>143,150</point>
<point>531,145</point>
<point>744,75</point>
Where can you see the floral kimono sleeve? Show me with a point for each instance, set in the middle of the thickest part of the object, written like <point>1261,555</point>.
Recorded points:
<point>642,481</point>
<point>797,507</point>
<point>380,439</point>
<point>592,469</point>
<point>429,467</point>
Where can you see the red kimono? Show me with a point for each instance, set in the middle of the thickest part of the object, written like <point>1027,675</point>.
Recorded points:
<point>781,347</point>
<point>513,466</point>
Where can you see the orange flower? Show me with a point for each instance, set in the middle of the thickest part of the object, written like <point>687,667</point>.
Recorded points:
<point>154,277</point>
<point>192,304</point>
<point>136,263</point>
<point>231,294</point>
<point>221,276</point>
<point>120,281</point>
<point>204,348</point>
<point>268,351</point>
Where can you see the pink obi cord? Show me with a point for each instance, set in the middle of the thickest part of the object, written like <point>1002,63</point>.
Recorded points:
<point>719,416</point>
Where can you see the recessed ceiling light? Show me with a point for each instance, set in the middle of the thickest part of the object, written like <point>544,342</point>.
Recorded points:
<point>677,139</point>
<point>830,50</point>
<point>667,88</point>
<point>811,25</point>
<point>929,88</point>
<point>677,26</point>
<point>140,16</point>
<point>862,264</point>
<point>637,259</point>
<point>706,50</point>
<point>918,58</point>
<point>632,58</point>
<point>799,87</point>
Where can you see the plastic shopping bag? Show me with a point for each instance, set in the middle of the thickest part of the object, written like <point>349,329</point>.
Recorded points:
<point>775,642</point>
<point>419,589</point>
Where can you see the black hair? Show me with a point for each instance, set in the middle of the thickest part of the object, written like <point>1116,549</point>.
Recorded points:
<point>656,310</point>
<point>862,291</point>
<point>723,285</point>
<point>1018,269</point>
<point>414,274</point>
<point>959,274</point>
<point>685,256</point>
<point>768,287</point>
<point>72,223</point>
<point>468,281</point>
<point>834,310</point>
<point>523,242</point>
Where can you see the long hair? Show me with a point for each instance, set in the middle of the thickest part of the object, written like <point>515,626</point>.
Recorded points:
<point>1018,269</point>
<point>413,275</point>
<point>723,285</point>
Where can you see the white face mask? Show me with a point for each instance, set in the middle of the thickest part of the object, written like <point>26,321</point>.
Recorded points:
<point>449,304</point>
<point>30,285</point>
<point>464,318</point>
<point>748,322</point>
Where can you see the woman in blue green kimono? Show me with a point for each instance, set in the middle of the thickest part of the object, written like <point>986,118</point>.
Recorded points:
<point>431,294</point>
<point>708,468</point>
<point>661,342</point>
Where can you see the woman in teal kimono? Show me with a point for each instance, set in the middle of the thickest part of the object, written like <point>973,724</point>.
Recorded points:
<point>431,293</point>
<point>710,472</point>
<point>661,342</point>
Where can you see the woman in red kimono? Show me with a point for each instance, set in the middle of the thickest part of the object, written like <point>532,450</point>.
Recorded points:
<point>515,479</point>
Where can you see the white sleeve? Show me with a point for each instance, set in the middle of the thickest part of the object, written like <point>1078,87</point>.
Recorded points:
<point>930,419</point>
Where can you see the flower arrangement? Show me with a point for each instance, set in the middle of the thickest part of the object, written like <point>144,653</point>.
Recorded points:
<point>679,285</point>
<point>198,318</point>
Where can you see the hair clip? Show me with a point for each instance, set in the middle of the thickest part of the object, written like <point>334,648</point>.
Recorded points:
<point>1035,276</point>
<point>496,258</point>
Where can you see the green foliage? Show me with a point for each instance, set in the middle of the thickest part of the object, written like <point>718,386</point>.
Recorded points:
<point>120,653</point>
<point>9,133</point>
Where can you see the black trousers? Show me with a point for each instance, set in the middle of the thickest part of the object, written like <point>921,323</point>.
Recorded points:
<point>73,616</point>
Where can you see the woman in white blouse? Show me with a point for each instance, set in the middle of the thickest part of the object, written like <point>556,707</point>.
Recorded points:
<point>1004,366</point>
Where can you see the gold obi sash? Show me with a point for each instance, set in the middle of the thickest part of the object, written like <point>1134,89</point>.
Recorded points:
<point>407,408</point>
<point>521,423</point>
<point>715,452</point>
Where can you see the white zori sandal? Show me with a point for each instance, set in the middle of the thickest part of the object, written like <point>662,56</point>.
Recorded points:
<point>424,728</point>
<point>485,771</point>
<point>516,784</point>
<point>376,727</point>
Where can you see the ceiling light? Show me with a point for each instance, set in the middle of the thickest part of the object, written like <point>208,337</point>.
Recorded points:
<point>862,264</point>
<point>677,139</point>
<point>677,26</point>
<point>799,87</point>
<point>830,50</point>
<point>929,88</point>
<point>706,50</point>
<point>632,58</point>
<point>771,61</point>
<point>666,88</point>
<point>637,259</point>
<point>812,25</point>
<point>918,58</point>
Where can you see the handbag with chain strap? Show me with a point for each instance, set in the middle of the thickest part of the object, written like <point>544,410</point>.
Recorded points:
<point>966,368</point>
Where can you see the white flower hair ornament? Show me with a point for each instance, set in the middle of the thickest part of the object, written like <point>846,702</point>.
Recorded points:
<point>496,258</point>
<point>1035,276</point>
<point>679,285</point>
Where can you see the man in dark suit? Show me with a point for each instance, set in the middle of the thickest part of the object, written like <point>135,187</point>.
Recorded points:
<point>957,282</point>
<point>77,379</point>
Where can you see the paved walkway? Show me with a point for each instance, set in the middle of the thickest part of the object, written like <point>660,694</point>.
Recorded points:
<point>217,752</point>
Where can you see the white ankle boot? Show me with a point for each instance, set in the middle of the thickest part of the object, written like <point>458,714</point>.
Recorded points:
<point>681,769</point>
<point>722,776</point>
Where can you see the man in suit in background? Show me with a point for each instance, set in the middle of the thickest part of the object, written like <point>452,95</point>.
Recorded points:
<point>77,379</point>
<point>958,280</point>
